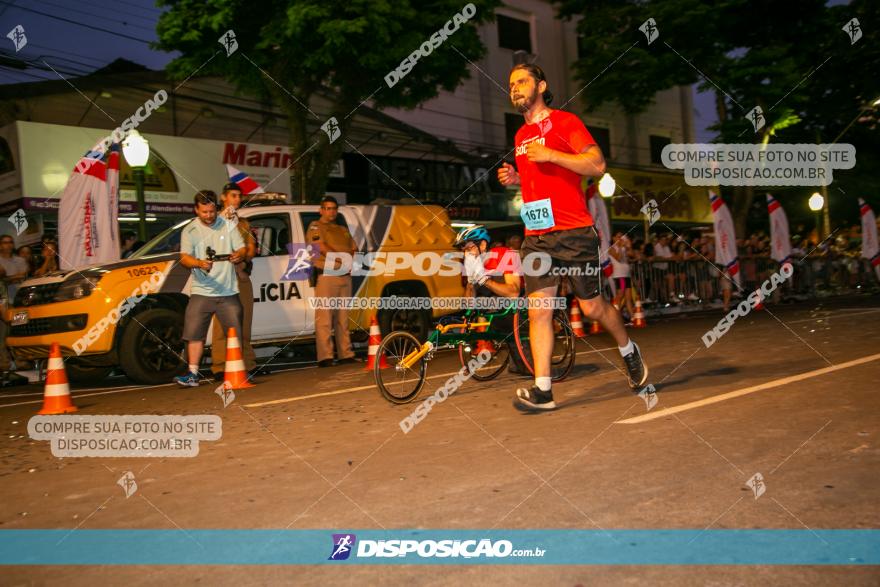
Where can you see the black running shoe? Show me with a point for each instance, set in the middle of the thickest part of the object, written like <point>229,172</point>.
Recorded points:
<point>533,399</point>
<point>636,369</point>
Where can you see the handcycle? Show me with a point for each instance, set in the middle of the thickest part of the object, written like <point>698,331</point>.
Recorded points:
<point>471,333</point>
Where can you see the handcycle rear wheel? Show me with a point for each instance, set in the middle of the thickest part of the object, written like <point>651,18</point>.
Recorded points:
<point>564,344</point>
<point>500,355</point>
<point>399,384</point>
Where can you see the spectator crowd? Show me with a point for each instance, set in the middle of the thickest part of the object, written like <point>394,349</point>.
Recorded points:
<point>672,269</point>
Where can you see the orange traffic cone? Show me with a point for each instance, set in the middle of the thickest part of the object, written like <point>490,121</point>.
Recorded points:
<point>760,304</point>
<point>574,316</point>
<point>639,316</point>
<point>373,346</point>
<point>235,376</point>
<point>596,328</point>
<point>56,397</point>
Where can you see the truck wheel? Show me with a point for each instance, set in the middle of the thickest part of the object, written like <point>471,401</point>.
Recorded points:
<point>150,349</point>
<point>416,322</point>
<point>79,373</point>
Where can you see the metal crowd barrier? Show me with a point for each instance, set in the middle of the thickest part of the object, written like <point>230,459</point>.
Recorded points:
<point>698,281</point>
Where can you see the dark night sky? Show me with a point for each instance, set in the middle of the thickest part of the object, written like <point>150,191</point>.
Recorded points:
<point>74,50</point>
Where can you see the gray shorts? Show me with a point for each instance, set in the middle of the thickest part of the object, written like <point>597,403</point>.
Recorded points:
<point>201,309</point>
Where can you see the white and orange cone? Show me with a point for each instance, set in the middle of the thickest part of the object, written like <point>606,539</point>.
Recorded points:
<point>235,376</point>
<point>373,346</point>
<point>596,328</point>
<point>574,316</point>
<point>639,316</point>
<point>56,396</point>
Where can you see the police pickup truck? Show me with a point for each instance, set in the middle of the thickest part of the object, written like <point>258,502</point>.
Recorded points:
<point>129,314</point>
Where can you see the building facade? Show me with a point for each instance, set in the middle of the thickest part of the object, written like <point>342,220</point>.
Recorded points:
<point>444,151</point>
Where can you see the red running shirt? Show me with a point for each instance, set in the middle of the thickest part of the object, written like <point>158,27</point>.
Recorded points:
<point>560,131</point>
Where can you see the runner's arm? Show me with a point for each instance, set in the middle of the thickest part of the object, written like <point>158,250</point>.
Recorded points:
<point>590,162</point>
<point>508,175</point>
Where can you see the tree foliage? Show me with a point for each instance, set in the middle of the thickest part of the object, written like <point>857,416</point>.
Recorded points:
<point>790,57</point>
<point>291,53</point>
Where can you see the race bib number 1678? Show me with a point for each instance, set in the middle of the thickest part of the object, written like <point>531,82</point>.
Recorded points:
<point>537,215</point>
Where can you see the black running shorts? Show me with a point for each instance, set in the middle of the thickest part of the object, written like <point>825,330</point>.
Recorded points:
<point>574,255</point>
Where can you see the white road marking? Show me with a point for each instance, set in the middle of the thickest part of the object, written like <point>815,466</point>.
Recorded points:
<point>74,391</point>
<point>79,395</point>
<point>327,393</point>
<point>747,390</point>
<point>850,312</point>
<point>285,400</point>
<point>838,313</point>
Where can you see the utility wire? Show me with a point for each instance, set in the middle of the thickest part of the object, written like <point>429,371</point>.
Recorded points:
<point>88,26</point>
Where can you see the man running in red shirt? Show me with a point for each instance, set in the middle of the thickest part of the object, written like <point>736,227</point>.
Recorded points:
<point>553,152</point>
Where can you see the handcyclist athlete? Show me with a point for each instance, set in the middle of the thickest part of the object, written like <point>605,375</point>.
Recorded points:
<point>554,151</point>
<point>492,273</point>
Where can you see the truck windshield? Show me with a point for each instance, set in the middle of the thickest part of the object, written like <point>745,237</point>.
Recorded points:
<point>167,241</point>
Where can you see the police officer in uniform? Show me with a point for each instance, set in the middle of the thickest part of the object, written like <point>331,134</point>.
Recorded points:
<point>326,236</point>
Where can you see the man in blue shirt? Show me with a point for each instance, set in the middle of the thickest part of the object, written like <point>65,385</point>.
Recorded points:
<point>214,288</point>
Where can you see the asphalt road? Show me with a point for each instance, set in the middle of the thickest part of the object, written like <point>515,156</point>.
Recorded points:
<point>790,393</point>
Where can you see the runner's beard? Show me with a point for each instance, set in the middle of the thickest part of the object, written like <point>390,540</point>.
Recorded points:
<point>526,104</point>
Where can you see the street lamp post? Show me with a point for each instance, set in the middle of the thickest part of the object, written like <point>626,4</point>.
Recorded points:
<point>607,187</point>
<point>137,152</point>
<point>817,204</point>
<point>826,213</point>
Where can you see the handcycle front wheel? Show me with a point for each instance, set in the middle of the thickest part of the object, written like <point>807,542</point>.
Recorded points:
<point>564,344</point>
<point>399,384</point>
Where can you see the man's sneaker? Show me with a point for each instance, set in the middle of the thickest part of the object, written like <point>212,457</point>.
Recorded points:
<point>188,380</point>
<point>533,399</point>
<point>636,369</point>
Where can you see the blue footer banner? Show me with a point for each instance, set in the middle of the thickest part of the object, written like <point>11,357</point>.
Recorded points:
<point>432,547</point>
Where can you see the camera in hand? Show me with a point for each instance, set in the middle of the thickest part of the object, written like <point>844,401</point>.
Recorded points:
<point>213,256</point>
